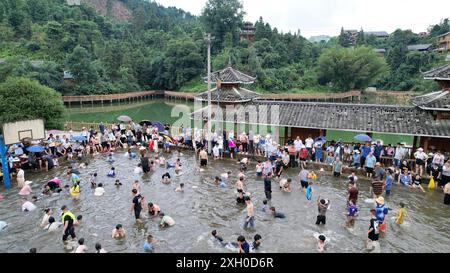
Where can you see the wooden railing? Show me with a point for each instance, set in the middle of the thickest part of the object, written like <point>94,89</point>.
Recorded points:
<point>191,96</point>
<point>110,97</point>
<point>315,96</point>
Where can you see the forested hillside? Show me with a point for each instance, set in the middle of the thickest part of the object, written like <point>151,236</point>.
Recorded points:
<point>108,46</point>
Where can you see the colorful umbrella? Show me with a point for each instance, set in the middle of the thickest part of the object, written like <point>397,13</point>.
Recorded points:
<point>54,132</point>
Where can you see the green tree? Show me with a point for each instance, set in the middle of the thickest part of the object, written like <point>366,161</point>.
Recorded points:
<point>182,64</point>
<point>80,65</point>
<point>348,68</point>
<point>221,17</point>
<point>22,99</point>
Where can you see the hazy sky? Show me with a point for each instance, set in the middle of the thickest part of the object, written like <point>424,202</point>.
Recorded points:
<point>315,17</point>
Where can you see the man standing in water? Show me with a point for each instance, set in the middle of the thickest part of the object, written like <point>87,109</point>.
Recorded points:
<point>322,207</point>
<point>250,219</point>
<point>68,220</point>
<point>268,186</point>
<point>203,158</point>
<point>136,206</point>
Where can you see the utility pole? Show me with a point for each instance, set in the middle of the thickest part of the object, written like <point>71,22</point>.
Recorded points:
<point>4,159</point>
<point>208,41</point>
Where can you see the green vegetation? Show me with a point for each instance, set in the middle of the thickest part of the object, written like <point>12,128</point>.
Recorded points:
<point>163,48</point>
<point>22,99</point>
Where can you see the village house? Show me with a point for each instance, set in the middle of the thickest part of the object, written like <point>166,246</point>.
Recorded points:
<point>444,42</point>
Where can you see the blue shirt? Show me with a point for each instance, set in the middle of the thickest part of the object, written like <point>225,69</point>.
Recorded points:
<point>405,179</point>
<point>245,247</point>
<point>389,180</point>
<point>365,151</point>
<point>309,192</point>
<point>356,159</point>
<point>352,210</point>
<point>148,247</point>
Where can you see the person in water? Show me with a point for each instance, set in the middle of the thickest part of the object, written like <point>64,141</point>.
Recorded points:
<point>118,183</point>
<point>93,180</point>
<point>136,185</point>
<point>180,188</point>
<point>321,242</point>
<point>322,205</point>
<point>218,238</point>
<point>52,225</point>
<point>47,215</point>
<point>118,232</point>
<point>82,248</point>
<point>244,247</point>
<point>401,214</point>
<point>241,197</point>
<point>276,214</point>
<point>112,172</point>
<point>265,207</point>
<point>148,245</point>
<point>250,218</point>
<point>352,212</point>
<point>153,209</point>
<point>68,220</point>
<point>99,191</point>
<point>166,221</point>
<point>99,249</point>
<point>166,178</point>
<point>75,190</point>
<point>373,233</point>
<point>309,192</point>
<point>381,212</point>
<point>257,240</point>
<point>136,205</point>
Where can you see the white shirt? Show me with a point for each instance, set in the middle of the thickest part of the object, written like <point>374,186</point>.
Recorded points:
<point>298,144</point>
<point>28,206</point>
<point>99,191</point>
<point>138,170</point>
<point>309,142</point>
<point>420,155</point>
<point>21,174</point>
<point>216,150</point>
<point>44,220</point>
<point>53,226</point>
<point>220,142</point>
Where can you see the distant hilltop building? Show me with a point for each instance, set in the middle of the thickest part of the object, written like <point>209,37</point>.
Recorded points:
<point>378,34</point>
<point>73,2</point>
<point>248,32</point>
<point>319,39</point>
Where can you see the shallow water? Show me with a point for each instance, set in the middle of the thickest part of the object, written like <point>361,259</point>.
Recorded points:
<point>204,207</point>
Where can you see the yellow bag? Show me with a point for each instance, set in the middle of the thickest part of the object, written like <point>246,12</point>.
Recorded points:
<point>431,185</point>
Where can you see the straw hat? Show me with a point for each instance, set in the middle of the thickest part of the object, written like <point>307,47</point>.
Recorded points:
<point>380,200</point>
<point>28,182</point>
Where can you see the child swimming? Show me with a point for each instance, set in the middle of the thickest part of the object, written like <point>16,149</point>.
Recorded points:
<point>112,172</point>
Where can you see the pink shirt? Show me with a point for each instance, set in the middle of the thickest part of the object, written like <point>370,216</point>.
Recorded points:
<point>26,190</point>
<point>231,143</point>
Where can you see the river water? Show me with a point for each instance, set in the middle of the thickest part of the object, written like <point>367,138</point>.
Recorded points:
<point>204,207</point>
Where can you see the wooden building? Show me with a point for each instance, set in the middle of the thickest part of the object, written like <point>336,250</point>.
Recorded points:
<point>248,32</point>
<point>444,42</point>
<point>427,119</point>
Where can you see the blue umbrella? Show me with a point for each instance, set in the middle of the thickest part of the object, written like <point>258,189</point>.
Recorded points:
<point>363,138</point>
<point>321,138</point>
<point>79,138</point>
<point>36,149</point>
<point>158,125</point>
